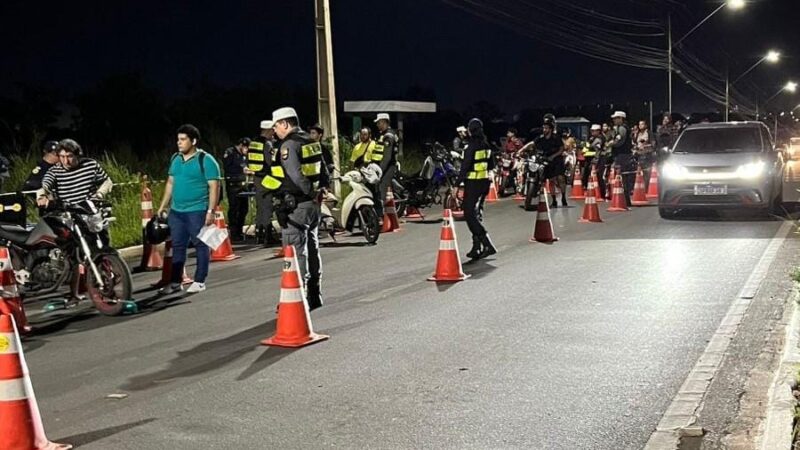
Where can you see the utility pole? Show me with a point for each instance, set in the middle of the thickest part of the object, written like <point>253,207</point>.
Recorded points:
<point>326,88</point>
<point>669,64</point>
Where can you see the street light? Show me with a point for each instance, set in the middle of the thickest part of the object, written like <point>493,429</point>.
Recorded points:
<point>790,87</point>
<point>732,4</point>
<point>771,57</point>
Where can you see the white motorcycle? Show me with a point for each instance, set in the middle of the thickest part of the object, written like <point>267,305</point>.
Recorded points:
<point>358,209</point>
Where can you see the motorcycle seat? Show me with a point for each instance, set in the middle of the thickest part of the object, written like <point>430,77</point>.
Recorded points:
<point>13,233</point>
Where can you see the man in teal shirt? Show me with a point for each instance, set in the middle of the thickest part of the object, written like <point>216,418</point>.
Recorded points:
<point>193,191</point>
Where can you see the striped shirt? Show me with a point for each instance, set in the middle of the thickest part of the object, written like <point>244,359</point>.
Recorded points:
<point>75,185</point>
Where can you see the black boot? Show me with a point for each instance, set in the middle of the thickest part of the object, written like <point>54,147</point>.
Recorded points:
<point>476,248</point>
<point>260,235</point>
<point>313,295</point>
<point>564,200</point>
<point>488,247</point>
<point>554,205</point>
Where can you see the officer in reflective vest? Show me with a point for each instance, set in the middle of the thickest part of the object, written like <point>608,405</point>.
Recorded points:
<point>591,152</point>
<point>294,181</point>
<point>384,154</point>
<point>362,152</point>
<point>259,158</point>
<point>475,172</point>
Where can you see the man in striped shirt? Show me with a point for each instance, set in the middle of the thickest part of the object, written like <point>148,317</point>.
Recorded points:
<point>74,179</point>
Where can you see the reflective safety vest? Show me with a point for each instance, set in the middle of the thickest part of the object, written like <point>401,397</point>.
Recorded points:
<point>255,156</point>
<point>480,166</point>
<point>588,150</point>
<point>377,152</point>
<point>310,167</point>
<point>363,150</point>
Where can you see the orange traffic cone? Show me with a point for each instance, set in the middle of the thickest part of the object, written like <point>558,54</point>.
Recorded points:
<point>10,300</point>
<point>577,186</point>
<point>293,328</point>
<point>618,198</point>
<point>412,212</point>
<point>543,229</point>
<point>166,273</point>
<point>492,197</point>
<point>639,197</point>
<point>225,251</point>
<point>21,426</point>
<point>652,188</point>
<point>591,213</point>
<point>448,261</point>
<point>390,222</point>
<point>151,259</point>
<point>598,196</point>
<point>612,175</point>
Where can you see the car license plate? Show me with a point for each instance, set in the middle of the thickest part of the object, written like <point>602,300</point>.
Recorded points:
<point>711,190</point>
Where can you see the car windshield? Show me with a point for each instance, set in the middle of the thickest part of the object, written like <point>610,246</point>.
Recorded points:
<point>719,140</point>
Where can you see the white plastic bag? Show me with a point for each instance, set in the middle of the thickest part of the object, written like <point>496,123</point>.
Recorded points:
<point>212,236</point>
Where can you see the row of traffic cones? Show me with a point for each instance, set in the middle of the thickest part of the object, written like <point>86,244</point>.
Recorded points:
<point>640,196</point>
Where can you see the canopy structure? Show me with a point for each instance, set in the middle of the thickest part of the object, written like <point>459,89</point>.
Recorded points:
<point>396,107</point>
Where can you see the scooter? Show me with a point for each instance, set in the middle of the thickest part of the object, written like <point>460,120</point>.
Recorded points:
<point>358,209</point>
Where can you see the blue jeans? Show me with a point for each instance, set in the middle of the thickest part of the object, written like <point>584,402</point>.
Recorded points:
<point>184,227</point>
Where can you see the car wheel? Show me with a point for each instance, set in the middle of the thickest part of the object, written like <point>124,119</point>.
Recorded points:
<point>666,213</point>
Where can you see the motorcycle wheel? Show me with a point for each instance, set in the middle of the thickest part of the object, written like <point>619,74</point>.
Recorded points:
<point>451,202</point>
<point>369,223</point>
<point>112,299</point>
<point>531,197</point>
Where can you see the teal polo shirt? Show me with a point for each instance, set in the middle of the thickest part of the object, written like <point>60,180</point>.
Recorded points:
<point>190,186</point>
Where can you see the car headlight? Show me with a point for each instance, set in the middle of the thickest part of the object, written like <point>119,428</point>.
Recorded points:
<point>674,172</point>
<point>752,170</point>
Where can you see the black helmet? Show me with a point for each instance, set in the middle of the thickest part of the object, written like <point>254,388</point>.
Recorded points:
<point>245,141</point>
<point>50,147</point>
<point>475,124</point>
<point>549,119</point>
<point>318,128</point>
<point>156,231</point>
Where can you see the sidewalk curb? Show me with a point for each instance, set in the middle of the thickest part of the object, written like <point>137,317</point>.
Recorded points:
<point>779,421</point>
<point>131,252</point>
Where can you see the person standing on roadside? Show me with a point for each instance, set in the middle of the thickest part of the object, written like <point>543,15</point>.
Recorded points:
<point>49,159</point>
<point>644,150</point>
<point>260,156</point>
<point>478,164</point>
<point>235,161</point>
<point>384,154</point>
<point>192,188</point>
<point>622,154</point>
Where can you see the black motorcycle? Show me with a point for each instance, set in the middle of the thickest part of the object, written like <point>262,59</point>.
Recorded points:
<point>534,180</point>
<point>66,239</point>
<point>424,189</point>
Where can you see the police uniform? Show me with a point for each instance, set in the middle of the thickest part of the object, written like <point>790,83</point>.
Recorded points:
<point>260,154</point>
<point>385,155</point>
<point>294,181</point>
<point>624,161</point>
<point>478,163</point>
<point>34,181</point>
<point>234,163</point>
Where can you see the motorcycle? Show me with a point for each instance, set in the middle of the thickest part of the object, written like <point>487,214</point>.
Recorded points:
<point>328,221</point>
<point>66,238</point>
<point>424,189</point>
<point>534,180</point>
<point>358,209</point>
<point>505,177</point>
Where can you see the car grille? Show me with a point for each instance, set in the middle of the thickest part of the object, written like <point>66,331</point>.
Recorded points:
<point>706,199</point>
<point>715,169</point>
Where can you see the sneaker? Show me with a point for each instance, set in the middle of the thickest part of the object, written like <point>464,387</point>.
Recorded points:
<point>196,288</point>
<point>170,289</point>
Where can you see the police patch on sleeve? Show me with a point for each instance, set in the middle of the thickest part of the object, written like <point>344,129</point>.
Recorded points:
<point>284,153</point>
<point>36,170</point>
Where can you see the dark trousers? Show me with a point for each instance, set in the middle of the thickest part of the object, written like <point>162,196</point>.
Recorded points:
<point>263,205</point>
<point>625,164</point>
<point>237,208</point>
<point>475,192</point>
<point>383,188</point>
<point>184,227</point>
<point>587,171</point>
<point>647,161</point>
<point>302,232</point>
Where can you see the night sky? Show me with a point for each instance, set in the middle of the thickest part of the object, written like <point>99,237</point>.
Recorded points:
<point>381,48</point>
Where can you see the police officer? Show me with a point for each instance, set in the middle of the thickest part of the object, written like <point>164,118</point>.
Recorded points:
<point>592,155</point>
<point>259,157</point>
<point>460,141</point>
<point>234,161</point>
<point>49,159</point>
<point>317,134</point>
<point>478,163</point>
<point>294,181</point>
<point>385,155</point>
<point>621,152</point>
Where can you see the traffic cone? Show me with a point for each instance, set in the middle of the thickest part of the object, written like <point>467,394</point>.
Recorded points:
<point>618,198</point>
<point>279,253</point>
<point>448,261</point>
<point>412,212</point>
<point>577,186</point>
<point>543,229</point>
<point>293,328</point>
<point>10,300</point>
<point>166,273</point>
<point>591,213</point>
<point>612,175</point>
<point>225,251</point>
<point>390,222</point>
<point>21,425</point>
<point>492,197</point>
<point>151,259</point>
<point>639,197</point>
<point>652,188</point>
<point>598,196</point>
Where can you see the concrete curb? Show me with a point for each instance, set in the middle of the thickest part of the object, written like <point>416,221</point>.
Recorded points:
<point>131,252</point>
<point>777,428</point>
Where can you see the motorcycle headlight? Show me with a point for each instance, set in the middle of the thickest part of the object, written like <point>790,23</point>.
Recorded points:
<point>95,223</point>
<point>674,172</point>
<point>751,171</point>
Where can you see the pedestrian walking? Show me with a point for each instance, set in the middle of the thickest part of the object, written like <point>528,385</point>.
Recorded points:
<point>191,192</point>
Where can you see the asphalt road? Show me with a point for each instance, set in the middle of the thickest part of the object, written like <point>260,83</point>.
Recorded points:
<point>577,345</point>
